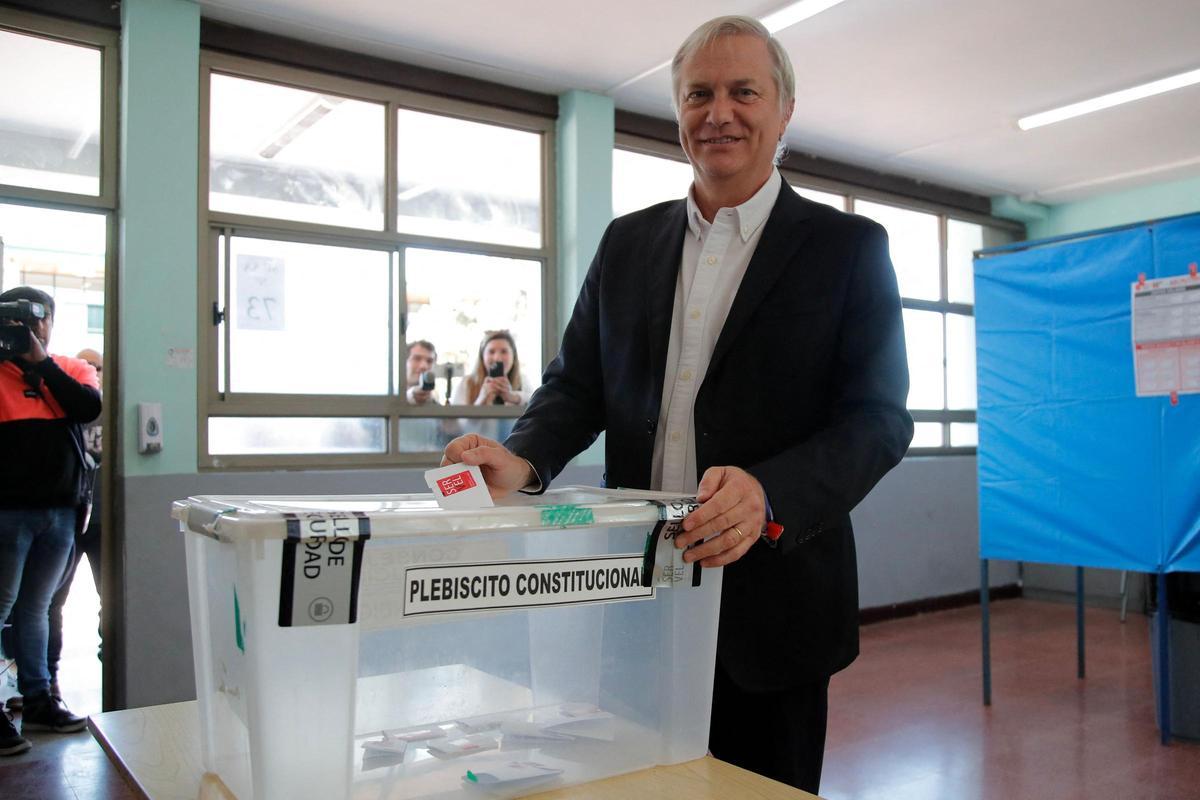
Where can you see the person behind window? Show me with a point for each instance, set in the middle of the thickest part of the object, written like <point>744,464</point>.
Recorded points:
<point>424,434</point>
<point>44,400</point>
<point>422,356</point>
<point>496,379</point>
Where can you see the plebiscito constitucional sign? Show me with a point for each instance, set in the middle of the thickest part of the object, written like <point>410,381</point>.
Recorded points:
<point>447,588</point>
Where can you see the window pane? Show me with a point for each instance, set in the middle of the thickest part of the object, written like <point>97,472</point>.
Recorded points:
<point>927,434</point>
<point>962,240</point>
<point>964,434</point>
<point>923,335</point>
<point>828,198</point>
<point>428,435</point>
<point>295,154</point>
<point>49,114</point>
<point>468,180</point>
<point>61,253</point>
<point>913,236</point>
<point>453,298</point>
<point>296,435</point>
<point>960,361</point>
<point>640,180</point>
<point>308,319</point>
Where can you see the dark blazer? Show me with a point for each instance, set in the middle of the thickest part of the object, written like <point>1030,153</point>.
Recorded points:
<point>806,390</point>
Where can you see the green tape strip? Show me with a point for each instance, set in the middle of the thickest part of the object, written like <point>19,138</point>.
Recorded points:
<point>237,623</point>
<point>562,516</point>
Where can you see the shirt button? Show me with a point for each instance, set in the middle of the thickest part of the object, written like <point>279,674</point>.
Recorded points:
<point>694,313</point>
<point>711,260</point>
<point>745,230</point>
<point>686,375</point>
<point>676,436</point>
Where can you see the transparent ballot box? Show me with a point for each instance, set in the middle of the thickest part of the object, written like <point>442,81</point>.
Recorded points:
<point>382,647</point>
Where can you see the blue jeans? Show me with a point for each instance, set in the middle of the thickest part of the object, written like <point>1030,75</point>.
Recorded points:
<point>36,546</point>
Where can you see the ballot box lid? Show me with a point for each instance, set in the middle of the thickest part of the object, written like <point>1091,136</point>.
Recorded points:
<point>234,517</point>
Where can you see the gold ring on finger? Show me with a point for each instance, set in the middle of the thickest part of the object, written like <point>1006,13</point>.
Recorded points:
<point>738,531</point>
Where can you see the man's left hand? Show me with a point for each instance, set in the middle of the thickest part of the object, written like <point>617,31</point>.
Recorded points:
<point>731,516</point>
<point>37,351</point>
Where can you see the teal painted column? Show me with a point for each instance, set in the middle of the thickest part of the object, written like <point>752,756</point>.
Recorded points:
<point>160,118</point>
<point>585,144</point>
<point>584,167</point>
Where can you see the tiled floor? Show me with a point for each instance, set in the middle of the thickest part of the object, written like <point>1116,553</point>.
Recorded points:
<point>906,721</point>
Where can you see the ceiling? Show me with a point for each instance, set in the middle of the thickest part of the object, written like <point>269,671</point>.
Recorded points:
<point>927,89</point>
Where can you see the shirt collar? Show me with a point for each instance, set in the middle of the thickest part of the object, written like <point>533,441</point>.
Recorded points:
<point>750,215</point>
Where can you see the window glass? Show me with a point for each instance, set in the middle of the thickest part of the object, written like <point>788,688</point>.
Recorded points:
<point>296,435</point>
<point>927,434</point>
<point>962,240</point>
<point>427,434</point>
<point>915,247</point>
<point>923,336</point>
<point>837,201</point>
<point>295,154</point>
<point>458,179</point>
<point>454,298</point>
<point>62,253</point>
<point>49,114</point>
<point>964,434</point>
<point>640,180</point>
<point>307,318</point>
<point>960,361</point>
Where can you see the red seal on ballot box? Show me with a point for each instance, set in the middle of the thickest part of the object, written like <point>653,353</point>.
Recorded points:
<point>458,482</point>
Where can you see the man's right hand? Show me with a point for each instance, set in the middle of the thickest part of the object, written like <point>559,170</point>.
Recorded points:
<point>503,471</point>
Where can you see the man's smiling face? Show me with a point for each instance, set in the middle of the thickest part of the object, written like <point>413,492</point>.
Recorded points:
<point>730,118</point>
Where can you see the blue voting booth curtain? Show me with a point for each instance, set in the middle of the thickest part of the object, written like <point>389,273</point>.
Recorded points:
<point>1074,468</point>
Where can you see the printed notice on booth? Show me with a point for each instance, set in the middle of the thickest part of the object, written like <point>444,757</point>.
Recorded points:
<point>1166,334</point>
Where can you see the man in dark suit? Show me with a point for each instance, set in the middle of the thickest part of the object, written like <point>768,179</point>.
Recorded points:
<point>745,345</point>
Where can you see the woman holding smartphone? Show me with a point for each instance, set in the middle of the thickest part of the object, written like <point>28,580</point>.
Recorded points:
<point>496,379</point>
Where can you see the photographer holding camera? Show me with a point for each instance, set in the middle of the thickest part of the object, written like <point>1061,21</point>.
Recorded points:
<point>422,356</point>
<point>496,379</point>
<point>45,488</point>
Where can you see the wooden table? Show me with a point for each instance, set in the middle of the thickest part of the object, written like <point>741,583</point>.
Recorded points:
<point>157,749</point>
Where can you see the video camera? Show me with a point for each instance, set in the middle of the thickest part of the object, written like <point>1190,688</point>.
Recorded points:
<point>15,316</point>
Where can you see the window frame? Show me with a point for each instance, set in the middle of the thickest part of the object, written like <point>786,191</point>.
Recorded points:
<point>943,416</point>
<point>851,195</point>
<point>108,43</point>
<point>212,224</point>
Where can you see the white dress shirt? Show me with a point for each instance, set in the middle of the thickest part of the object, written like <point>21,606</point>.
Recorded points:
<point>715,258</point>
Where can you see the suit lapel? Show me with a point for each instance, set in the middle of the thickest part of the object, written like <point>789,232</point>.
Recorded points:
<point>786,229</point>
<point>662,266</point>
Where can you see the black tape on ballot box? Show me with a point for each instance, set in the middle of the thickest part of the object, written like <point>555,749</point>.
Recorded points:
<point>662,562</point>
<point>322,565</point>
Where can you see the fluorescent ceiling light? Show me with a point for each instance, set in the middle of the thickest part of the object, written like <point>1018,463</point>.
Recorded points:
<point>796,12</point>
<point>1110,100</point>
<point>312,113</point>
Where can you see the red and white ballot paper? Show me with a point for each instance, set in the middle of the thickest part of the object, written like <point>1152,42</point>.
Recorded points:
<point>1166,334</point>
<point>459,486</point>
